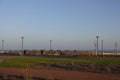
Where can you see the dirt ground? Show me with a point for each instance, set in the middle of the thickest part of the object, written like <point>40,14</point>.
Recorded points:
<point>58,74</point>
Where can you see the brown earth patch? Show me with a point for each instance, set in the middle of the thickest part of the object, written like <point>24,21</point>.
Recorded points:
<point>47,74</point>
<point>2,59</point>
<point>112,69</point>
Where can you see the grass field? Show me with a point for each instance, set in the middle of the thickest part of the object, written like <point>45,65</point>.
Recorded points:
<point>29,62</point>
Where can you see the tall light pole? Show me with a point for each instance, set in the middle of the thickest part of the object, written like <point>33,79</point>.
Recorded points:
<point>2,45</point>
<point>50,44</point>
<point>97,45</point>
<point>22,44</point>
<point>102,45</point>
<point>116,48</point>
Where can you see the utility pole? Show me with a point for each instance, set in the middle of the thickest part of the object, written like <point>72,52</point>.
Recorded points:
<point>97,45</point>
<point>2,45</point>
<point>102,46</point>
<point>22,44</point>
<point>50,44</point>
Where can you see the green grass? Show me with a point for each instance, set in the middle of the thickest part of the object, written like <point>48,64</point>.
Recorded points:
<point>28,62</point>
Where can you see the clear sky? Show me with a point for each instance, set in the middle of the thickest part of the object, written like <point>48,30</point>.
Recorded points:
<point>70,24</point>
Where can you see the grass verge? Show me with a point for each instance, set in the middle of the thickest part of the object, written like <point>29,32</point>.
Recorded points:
<point>29,62</point>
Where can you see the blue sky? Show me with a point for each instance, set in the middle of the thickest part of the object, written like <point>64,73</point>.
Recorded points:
<point>70,24</point>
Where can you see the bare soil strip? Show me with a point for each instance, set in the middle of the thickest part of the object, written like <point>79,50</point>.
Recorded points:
<point>56,74</point>
<point>106,69</point>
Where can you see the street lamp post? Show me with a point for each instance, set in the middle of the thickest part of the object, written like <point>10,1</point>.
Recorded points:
<point>2,45</point>
<point>50,44</point>
<point>22,44</point>
<point>116,48</point>
<point>97,45</point>
<point>102,46</point>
